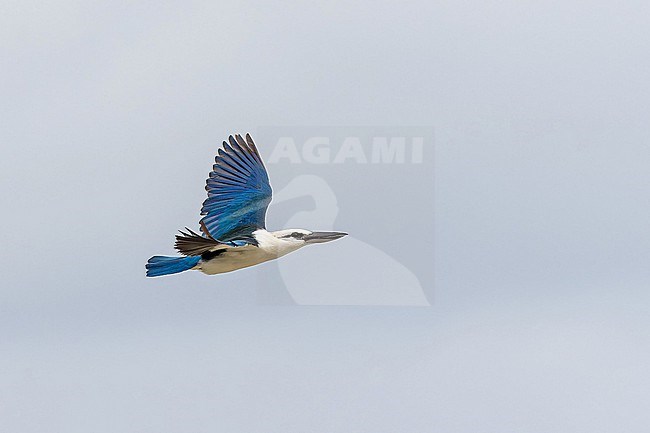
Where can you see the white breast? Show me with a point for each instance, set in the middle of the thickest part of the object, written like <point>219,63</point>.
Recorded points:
<point>269,248</point>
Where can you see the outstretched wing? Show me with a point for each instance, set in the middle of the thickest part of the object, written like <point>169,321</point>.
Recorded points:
<point>238,193</point>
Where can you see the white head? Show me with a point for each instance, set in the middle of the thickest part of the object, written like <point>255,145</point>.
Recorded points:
<point>285,241</point>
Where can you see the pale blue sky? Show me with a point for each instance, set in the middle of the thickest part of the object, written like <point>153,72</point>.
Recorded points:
<point>539,321</point>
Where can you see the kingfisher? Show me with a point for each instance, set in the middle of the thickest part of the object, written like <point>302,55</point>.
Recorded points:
<point>233,227</point>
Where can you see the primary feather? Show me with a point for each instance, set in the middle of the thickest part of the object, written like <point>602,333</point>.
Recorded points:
<point>238,193</point>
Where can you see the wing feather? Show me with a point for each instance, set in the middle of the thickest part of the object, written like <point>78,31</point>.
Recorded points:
<point>238,193</point>
<point>193,244</point>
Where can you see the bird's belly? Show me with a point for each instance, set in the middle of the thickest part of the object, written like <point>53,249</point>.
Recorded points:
<point>231,260</point>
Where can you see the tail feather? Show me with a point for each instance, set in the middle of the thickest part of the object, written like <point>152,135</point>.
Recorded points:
<point>163,265</point>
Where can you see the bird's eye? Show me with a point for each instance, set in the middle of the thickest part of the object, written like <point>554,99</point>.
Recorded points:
<point>298,235</point>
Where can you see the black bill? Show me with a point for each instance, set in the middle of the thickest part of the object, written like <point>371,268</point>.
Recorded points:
<point>320,237</point>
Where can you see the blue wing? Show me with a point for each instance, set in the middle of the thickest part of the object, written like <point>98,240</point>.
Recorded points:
<point>238,193</point>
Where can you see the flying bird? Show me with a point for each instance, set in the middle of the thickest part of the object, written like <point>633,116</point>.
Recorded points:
<point>233,229</point>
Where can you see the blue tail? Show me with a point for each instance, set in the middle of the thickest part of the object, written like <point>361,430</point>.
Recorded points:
<point>162,265</point>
